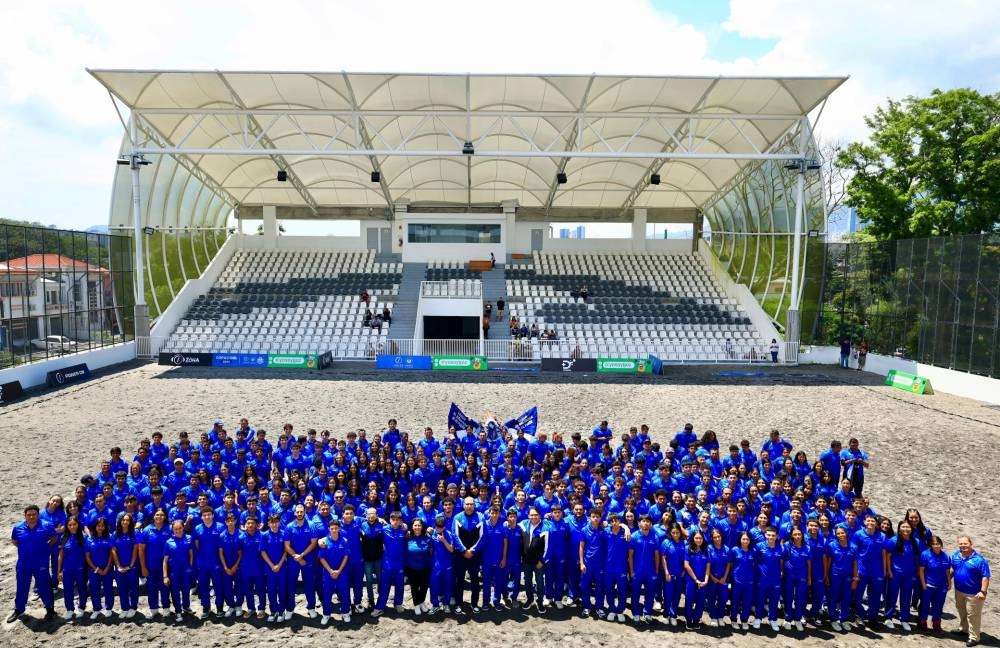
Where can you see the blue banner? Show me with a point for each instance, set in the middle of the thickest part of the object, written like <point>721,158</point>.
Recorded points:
<point>458,420</point>
<point>253,359</point>
<point>403,362</point>
<point>225,359</point>
<point>657,364</point>
<point>527,421</point>
<point>66,375</point>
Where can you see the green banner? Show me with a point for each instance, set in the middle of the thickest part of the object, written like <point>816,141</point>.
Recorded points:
<point>624,365</point>
<point>908,382</point>
<point>459,363</point>
<point>291,360</point>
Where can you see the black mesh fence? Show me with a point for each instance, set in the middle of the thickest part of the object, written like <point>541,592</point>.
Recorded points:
<point>62,291</point>
<point>936,301</point>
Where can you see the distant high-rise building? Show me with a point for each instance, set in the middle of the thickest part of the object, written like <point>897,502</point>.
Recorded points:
<point>578,232</point>
<point>581,232</point>
<point>564,233</point>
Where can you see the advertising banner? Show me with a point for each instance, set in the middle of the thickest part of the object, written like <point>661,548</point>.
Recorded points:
<point>326,360</point>
<point>11,391</point>
<point>403,362</point>
<point>186,359</point>
<point>908,382</point>
<point>459,363</point>
<point>624,365</point>
<point>588,365</point>
<point>253,359</point>
<point>291,361</point>
<point>225,359</point>
<point>71,374</point>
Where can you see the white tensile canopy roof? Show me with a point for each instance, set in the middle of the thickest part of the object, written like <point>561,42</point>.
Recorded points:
<point>232,131</point>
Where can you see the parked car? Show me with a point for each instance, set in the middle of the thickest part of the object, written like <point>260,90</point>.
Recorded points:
<point>55,343</point>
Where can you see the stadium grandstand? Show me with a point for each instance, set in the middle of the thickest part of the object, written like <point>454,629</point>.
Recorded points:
<point>457,183</point>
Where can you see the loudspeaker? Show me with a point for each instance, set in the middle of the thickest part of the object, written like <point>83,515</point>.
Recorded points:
<point>376,176</point>
<point>282,176</point>
<point>654,179</point>
<point>561,178</point>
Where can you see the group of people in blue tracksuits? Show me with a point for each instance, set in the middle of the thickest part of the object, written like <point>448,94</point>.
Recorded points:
<point>492,519</point>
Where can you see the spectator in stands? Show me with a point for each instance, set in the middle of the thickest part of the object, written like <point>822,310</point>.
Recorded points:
<point>862,353</point>
<point>367,321</point>
<point>500,305</point>
<point>386,315</point>
<point>729,349</point>
<point>845,352</point>
<point>493,261</point>
<point>534,330</point>
<point>486,324</point>
<point>377,322</point>
<point>365,297</point>
<point>584,293</point>
<point>488,310</point>
<point>774,350</point>
<point>513,325</point>
<point>523,331</point>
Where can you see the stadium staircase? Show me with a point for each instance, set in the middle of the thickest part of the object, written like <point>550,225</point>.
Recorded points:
<point>494,287</point>
<point>404,314</point>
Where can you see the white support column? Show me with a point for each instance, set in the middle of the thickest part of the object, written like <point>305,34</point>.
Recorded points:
<point>639,229</point>
<point>270,213</point>
<point>793,320</point>
<point>510,228</point>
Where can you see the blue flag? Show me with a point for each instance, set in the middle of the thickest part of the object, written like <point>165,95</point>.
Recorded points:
<point>527,421</point>
<point>458,420</point>
<point>657,364</point>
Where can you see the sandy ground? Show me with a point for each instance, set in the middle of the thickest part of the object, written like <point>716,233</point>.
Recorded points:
<point>938,453</point>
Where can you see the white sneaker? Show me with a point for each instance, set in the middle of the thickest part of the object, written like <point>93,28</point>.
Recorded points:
<point>847,626</point>
<point>756,624</point>
<point>229,612</point>
<point>745,626</point>
<point>312,613</point>
<point>287,616</point>
<point>889,625</point>
<point>400,609</point>
<point>376,613</point>
<point>559,604</point>
<point>79,614</point>
<point>787,626</point>
<point>346,618</point>
<point>324,620</point>
<point>69,615</point>
<point>775,626</point>
<point>270,618</point>
<point>106,613</point>
<point>179,618</point>
<point>905,626</point>
<point>585,612</point>
<point>238,610</point>
<point>416,610</point>
<point>798,626</point>
<point>836,626</point>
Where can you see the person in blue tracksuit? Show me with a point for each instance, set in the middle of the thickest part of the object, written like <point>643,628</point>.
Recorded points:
<point>935,573</point>
<point>744,562</point>
<point>54,514</point>
<point>643,563</point>
<point>797,574</point>
<point>126,558</point>
<point>494,554</point>
<point>841,567</point>
<point>33,539</point>
<point>300,544</point>
<point>252,591</point>
<point>560,554</point>
<point>616,567</point>
<point>205,537</point>
<point>230,561</point>
<point>768,578</point>
<point>71,567</point>
<point>534,554</point>
<point>152,541</point>
<point>904,558</point>
<point>591,555</point>
<point>101,564</point>
<point>468,533</point>
<point>442,576</point>
<point>697,567</point>
<point>178,558</point>
<point>870,543</point>
<point>350,529</point>
<point>672,555</point>
<point>393,562</point>
<point>334,555</point>
<point>512,570</point>
<point>817,587</point>
<point>719,560</point>
<point>272,552</point>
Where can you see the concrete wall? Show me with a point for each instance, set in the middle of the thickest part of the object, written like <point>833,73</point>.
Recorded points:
<point>306,243</point>
<point>33,375</point>
<point>193,288</point>
<point>446,307</point>
<point>743,297</point>
<point>943,380</point>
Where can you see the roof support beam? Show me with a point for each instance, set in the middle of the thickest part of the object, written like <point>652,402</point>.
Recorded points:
<point>572,142</point>
<point>253,128</point>
<point>361,135</point>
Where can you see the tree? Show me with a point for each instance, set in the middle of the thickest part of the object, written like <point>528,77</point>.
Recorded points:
<point>932,167</point>
<point>835,179</point>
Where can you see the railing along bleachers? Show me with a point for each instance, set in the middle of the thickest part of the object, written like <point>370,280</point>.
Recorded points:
<point>278,301</point>
<point>636,304</point>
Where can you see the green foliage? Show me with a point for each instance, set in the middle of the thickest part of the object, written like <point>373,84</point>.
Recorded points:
<point>932,167</point>
<point>22,238</point>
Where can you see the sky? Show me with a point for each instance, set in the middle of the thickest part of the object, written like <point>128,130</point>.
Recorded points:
<point>59,133</point>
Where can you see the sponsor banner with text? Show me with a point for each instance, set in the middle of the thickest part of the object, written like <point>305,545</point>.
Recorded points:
<point>403,362</point>
<point>588,365</point>
<point>908,382</point>
<point>624,365</point>
<point>292,361</point>
<point>186,359</point>
<point>67,375</point>
<point>459,363</point>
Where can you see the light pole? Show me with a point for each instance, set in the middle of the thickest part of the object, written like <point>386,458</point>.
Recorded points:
<point>793,323</point>
<point>135,161</point>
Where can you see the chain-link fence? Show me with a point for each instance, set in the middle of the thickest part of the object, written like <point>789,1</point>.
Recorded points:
<point>936,301</point>
<point>62,291</point>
